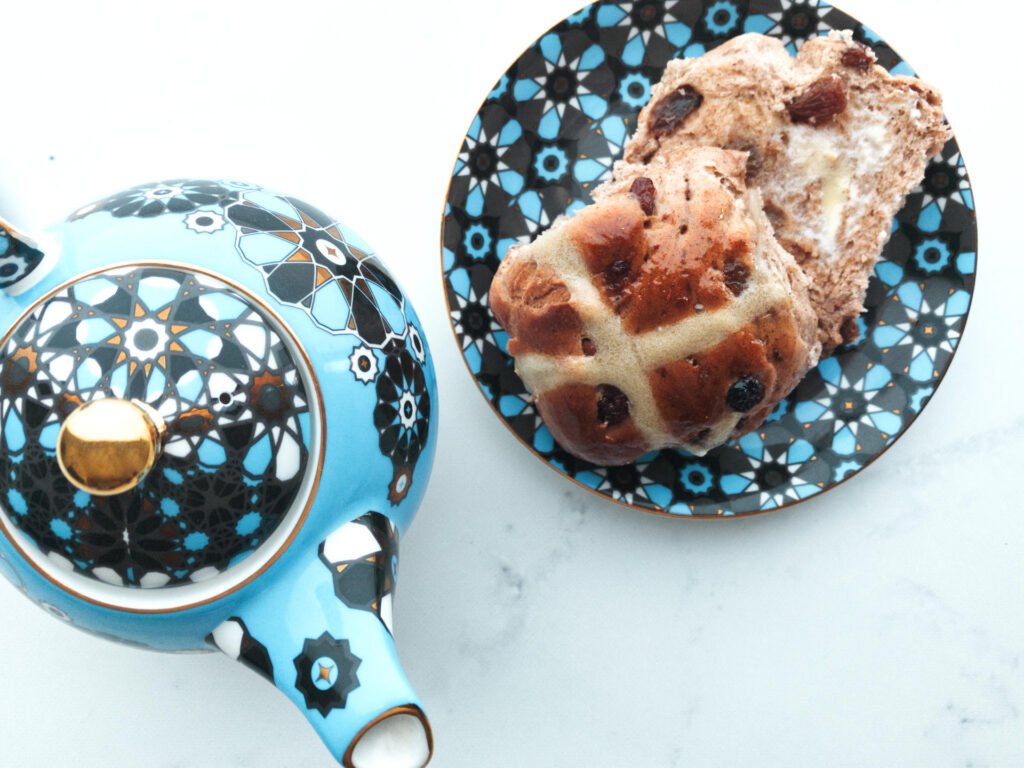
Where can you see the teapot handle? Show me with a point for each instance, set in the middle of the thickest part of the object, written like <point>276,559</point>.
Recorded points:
<point>321,633</point>
<point>22,260</point>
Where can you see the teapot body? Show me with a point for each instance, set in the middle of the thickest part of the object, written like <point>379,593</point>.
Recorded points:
<point>300,406</point>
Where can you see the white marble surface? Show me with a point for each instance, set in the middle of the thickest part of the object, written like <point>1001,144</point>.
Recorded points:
<point>879,625</point>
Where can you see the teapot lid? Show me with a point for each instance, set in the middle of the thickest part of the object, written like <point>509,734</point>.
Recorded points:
<point>226,386</point>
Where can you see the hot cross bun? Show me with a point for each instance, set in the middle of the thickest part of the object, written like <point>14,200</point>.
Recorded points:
<point>664,315</point>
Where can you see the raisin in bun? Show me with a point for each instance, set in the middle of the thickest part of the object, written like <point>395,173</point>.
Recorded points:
<point>666,314</point>
<point>835,145</point>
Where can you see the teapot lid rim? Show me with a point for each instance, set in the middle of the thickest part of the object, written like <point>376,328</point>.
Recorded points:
<point>137,600</point>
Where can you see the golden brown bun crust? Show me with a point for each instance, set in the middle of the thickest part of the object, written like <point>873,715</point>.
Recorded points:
<point>685,256</point>
<point>573,415</point>
<point>632,321</point>
<point>692,393</point>
<point>535,307</point>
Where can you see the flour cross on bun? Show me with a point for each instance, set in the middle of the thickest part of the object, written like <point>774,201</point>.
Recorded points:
<point>666,314</point>
<point>731,249</point>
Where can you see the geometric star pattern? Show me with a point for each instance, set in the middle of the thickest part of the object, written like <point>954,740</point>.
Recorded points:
<point>326,673</point>
<point>402,416</point>
<point>17,259</point>
<point>307,262</point>
<point>362,557</point>
<point>214,366</point>
<point>558,120</point>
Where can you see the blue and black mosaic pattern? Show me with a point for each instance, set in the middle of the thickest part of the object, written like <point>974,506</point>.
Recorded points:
<point>303,254</point>
<point>17,259</point>
<point>168,197</point>
<point>211,363</point>
<point>550,131</point>
<point>362,557</point>
<point>326,673</point>
<point>402,414</point>
<point>234,638</point>
<point>307,261</point>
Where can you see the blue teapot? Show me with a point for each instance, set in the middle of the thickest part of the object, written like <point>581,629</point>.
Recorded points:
<point>218,419</point>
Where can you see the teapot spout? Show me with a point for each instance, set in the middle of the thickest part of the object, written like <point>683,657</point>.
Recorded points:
<point>321,633</point>
<point>23,261</point>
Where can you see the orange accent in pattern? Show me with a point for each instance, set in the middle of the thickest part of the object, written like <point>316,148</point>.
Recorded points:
<point>291,237</point>
<point>27,353</point>
<point>317,471</point>
<point>201,413</point>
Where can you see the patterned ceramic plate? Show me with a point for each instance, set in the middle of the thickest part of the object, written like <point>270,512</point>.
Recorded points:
<point>548,134</point>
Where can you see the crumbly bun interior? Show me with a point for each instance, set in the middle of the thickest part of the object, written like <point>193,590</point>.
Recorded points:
<point>836,143</point>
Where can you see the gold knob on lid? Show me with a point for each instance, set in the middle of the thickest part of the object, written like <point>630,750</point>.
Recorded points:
<point>107,447</point>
